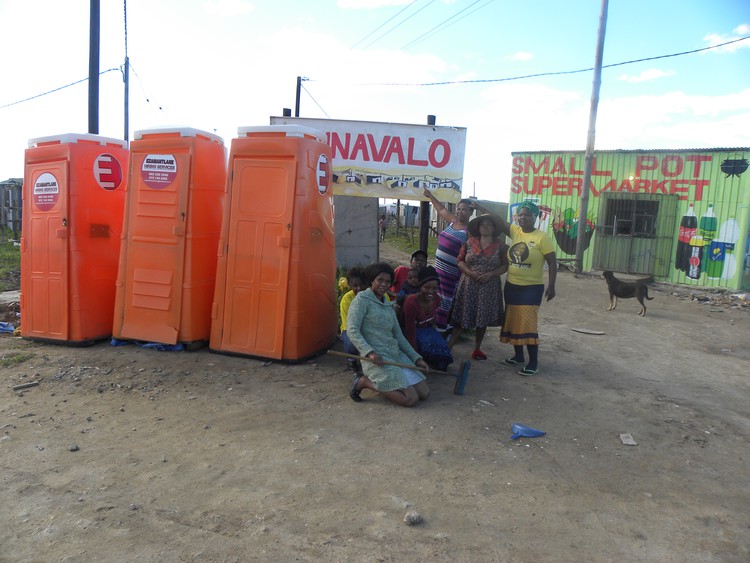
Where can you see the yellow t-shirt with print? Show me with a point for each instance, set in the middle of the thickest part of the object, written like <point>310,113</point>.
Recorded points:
<point>526,256</point>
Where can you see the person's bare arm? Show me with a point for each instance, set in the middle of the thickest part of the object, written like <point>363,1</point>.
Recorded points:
<point>551,259</point>
<point>439,207</point>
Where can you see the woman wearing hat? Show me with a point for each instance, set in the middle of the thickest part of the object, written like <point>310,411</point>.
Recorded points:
<point>373,329</point>
<point>419,313</point>
<point>478,302</point>
<point>530,249</point>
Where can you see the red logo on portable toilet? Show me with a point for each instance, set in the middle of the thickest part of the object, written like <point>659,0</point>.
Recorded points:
<point>323,174</point>
<point>108,172</point>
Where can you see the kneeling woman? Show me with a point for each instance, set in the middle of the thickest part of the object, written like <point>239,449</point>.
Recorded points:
<point>419,315</point>
<point>374,330</point>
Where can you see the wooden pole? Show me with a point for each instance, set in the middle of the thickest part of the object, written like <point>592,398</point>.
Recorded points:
<point>583,209</point>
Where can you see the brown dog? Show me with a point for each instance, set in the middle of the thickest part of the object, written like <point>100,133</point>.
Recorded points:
<point>626,290</point>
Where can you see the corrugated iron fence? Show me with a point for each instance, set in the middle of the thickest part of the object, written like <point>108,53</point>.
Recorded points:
<point>10,209</point>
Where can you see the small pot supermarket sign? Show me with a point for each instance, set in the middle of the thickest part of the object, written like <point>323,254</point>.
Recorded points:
<point>159,170</point>
<point>108,172</point>
<point>46,191</point>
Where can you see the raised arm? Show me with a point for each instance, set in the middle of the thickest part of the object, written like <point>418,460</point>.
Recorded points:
<point>439,207</point>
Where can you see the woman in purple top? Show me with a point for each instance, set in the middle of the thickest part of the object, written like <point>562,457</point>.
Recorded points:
<point>450,242</point>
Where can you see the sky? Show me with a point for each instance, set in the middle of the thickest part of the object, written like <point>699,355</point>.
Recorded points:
<point>216,65</point>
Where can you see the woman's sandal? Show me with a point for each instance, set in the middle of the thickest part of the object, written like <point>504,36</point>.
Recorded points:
<point>512,361</point>
<point>478,355</point>
<point>354,390</point>
<point>527,371</point>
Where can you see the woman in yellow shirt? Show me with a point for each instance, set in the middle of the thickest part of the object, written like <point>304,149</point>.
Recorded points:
<point>529,250</point>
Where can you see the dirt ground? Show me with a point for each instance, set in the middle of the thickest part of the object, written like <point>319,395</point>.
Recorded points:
<point>125,453</point>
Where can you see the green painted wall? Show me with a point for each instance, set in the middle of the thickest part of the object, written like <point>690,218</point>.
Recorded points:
<point>716,255</point>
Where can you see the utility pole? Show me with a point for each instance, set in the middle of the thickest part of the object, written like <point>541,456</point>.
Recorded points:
<point>583,208</point>
<point>94,67</point>
<point>424,209</point>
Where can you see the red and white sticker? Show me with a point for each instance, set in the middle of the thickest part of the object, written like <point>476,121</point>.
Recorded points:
<point>323,174</point>
<point>46,191</point>
<point>159,170</point>
<point>108,172</point>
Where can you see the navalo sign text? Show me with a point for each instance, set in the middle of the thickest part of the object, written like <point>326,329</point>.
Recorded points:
<point>392,160</point>
<point>688,176</point>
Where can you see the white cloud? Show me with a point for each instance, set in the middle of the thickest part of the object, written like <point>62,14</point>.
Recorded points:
<point>646,75</point>
<point>369,4</point>
<point>229,7</point>
<point>738,32</point>
<point>520,56</point>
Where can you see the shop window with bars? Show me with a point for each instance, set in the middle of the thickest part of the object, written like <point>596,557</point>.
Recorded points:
<point>631,218</point>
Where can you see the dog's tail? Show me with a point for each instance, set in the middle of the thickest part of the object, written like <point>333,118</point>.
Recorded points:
<point>646,295</point>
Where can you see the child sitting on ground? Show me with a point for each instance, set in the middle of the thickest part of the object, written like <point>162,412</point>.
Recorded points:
<point>354,279</point>
<point>410,286</point>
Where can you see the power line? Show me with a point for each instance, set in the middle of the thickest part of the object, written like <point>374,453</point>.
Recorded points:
<point>402,22</point>
<point>409,5</point>
<point>445,23</point>
<point>55,89</point>
<point>316,101</point>
<point>487,80</point>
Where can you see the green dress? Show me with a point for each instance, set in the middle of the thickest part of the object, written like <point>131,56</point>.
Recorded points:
<point>372,327</point>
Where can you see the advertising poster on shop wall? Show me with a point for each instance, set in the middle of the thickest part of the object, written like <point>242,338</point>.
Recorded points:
<point>392,160</point>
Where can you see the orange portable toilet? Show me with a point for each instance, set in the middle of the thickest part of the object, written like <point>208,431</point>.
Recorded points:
<point>275,282</point>
<point>165,280</point>
<point>74,194</point>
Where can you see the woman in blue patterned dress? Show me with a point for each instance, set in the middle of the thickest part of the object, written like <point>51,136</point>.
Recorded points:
<point>450,242</point>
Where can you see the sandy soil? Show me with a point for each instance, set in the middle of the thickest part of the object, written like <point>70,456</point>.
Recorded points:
<point>124,454</point>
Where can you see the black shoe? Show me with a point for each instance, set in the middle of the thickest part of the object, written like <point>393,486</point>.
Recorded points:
<point>354,390</point>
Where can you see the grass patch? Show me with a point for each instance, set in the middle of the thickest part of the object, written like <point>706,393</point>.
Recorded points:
<point>408,241</point>
<point>14,359</point>
<point>10,266</point>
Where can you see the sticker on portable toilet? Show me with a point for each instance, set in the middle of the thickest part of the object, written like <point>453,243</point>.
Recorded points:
<point>46,191</point>
<point>323,174</point>
<point>108,172</point>
<point>159,170</point>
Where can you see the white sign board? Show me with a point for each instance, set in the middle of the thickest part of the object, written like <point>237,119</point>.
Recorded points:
<point>392,160</point>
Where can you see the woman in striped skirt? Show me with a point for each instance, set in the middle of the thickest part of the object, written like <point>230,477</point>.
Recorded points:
<point>450,242</point>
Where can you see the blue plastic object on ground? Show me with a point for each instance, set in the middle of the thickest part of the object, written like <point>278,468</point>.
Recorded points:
<point>525,431</point>
<point>6,327</point>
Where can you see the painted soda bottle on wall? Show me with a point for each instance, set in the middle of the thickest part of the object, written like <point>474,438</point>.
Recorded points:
<point>707,228</point>
<point>688,229</point>
<point>695,257</point>
<point>729,234</point>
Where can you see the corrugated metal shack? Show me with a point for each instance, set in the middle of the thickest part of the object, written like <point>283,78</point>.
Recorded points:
<point>679,215</point>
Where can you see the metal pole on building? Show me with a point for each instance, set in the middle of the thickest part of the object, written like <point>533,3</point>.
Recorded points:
<point>126,79</point>
<point>296,104</point>
<point>584,205</point>
<point>94,67</point>
<point>424,209</point>
<point>126,75</point>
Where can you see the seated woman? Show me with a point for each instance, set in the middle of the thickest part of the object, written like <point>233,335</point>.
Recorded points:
<point>373,329</point>
<point>419,312</point>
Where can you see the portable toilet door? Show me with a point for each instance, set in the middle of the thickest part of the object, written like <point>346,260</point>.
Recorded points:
<point>277,245</point>
<point>74,192</point>
<point>173,213</point>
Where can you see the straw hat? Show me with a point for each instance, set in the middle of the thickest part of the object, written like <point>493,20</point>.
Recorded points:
<point>474,223</point>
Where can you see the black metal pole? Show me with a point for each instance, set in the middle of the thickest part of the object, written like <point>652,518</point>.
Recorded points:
<point>94,67</point>
<point>126,79</point>
<point>424,209</point>
<point>296,104</point>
